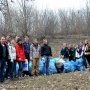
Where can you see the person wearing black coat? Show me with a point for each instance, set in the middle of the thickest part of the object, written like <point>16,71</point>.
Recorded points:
<point>3,57</point>
<point>46,53</point>
<point>64,52</point>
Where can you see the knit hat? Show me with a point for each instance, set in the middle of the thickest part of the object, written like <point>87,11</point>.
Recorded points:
<point>19,39</point>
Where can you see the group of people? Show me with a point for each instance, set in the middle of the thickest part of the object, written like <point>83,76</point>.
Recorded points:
<point>13,51</point>
<point>76,51</point>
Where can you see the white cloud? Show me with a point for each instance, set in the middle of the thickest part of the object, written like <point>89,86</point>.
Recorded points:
<point>56,4</point>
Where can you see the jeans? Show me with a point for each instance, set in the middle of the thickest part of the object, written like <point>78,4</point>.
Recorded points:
<point>10,69</point>
<point>20,63</point>
<point>2,67</point>
<point>46,64</point>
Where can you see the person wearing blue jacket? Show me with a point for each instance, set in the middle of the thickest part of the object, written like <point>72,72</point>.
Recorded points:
<point>26,45</point>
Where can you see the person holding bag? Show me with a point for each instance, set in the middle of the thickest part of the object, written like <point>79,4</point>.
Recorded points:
<point>20,56</point>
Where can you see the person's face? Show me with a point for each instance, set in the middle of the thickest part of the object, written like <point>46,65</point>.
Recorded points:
<point>77,46</point>
<point>35,41</point>
<point>16,38</point>
<point>74,45</point>
<point>26,38</point>
<point>2,40</point>
<point>13,42</point>
<point>8,38</point>
<point>20,42</point>
<point>64,45</point>
<point>45,41</point>
<point>86,41</point>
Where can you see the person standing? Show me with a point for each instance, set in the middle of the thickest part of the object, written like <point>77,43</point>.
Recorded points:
<point>12,57</point>
<point>26,45</point>
<point>20,56</point>
<point>87,51</point>
<point>34,57</point>
<point>46,53</point>
<point>8,42</point>
<point>64,52</point>
<point>3,57</point>
<point>82,49</point>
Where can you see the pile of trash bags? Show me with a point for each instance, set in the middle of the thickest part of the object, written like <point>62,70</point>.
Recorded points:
<point>71,66</point>
<point>58,65</point>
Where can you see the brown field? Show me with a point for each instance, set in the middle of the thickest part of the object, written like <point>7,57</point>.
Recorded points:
<point>66,81</point>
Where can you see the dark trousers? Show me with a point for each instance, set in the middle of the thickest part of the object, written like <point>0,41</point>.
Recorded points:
<point>84,61</point>
<point>14,68</point>
<point>2,67</point>
<point>10,69</point>
<point>88,59</point>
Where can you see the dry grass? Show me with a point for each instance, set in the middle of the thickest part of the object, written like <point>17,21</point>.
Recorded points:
<point>68,81</point>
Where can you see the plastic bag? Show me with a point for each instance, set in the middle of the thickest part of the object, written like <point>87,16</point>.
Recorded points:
<point>25,65</point>
<point>80,64</point>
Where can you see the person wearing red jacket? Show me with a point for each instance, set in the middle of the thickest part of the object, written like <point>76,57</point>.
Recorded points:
<point>20,56</point>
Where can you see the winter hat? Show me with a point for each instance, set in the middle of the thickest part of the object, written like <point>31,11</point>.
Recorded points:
<point>19,39</point>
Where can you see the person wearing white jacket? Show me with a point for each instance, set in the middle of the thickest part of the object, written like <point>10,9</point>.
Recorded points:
<point>78,53</point>
<point>12,57</point>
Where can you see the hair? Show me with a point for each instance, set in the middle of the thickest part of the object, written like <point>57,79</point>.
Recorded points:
<point>18,40</point>
<point>26,36</point>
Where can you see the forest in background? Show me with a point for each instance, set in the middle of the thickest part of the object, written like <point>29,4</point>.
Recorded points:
<point>28,20</point>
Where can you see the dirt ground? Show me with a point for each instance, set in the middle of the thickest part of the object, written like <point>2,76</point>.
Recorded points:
<point>65,81</point>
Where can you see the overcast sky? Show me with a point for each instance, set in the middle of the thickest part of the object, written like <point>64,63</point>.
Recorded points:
<point>56,4</point>
<point>60,4</point>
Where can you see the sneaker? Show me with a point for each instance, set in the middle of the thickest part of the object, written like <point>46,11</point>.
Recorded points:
<point>44,74</point>
<point>36,74</point>
<point>13,79</point>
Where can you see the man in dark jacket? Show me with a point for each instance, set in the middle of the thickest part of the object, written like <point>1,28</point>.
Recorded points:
<point>26,45</point>
<point>3,58</point>
<point>46,53</point>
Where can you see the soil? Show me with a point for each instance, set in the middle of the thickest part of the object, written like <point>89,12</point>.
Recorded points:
<point>65,81</point>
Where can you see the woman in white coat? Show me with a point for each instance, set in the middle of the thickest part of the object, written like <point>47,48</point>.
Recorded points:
<point>12,57</point>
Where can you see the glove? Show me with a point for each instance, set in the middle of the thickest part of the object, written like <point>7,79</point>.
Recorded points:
<point>30,58</point>
<point>43,58</point>
<point>11,60</point>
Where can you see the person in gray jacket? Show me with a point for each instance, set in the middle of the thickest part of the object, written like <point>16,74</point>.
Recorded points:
<point>34,56</point>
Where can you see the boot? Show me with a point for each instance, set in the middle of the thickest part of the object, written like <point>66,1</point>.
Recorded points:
<point>20,74</point>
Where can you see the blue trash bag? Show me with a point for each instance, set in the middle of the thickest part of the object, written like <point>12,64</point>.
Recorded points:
<point>73,66</point>
<point>30,66</point>
<point>80,65</point>
<point>55,59</point>
<point>17,67</point>
<point>52,67</point>
<point>69,66</point>
<point>41,67</point>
